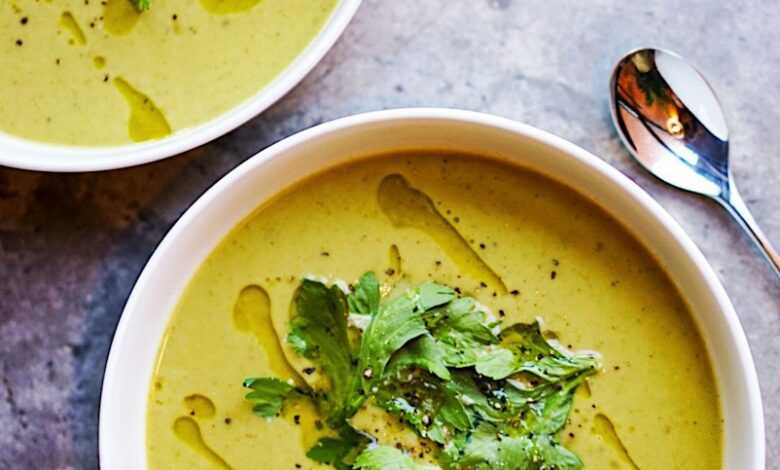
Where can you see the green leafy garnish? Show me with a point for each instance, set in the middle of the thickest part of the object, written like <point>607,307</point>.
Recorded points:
<point>397,322</point>
<point>385,458</point>
<point>141,5</point>
<point>423,352</point>
<point>462,331</point>
<point>268,395</point>
<point>481,395</point>
<point>337,451</point>
<point>364,299</point>
<point>319,333</point>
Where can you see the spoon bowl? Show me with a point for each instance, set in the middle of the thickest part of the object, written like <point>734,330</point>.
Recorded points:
<point>672,123</point>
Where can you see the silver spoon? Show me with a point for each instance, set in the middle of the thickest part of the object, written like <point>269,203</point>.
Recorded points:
<point>669,118</point>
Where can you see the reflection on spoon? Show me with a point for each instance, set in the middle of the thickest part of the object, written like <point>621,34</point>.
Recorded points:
<point>406,206</point>
<point>188,431</point>
<point>670,119</point>
<point>603,427</point>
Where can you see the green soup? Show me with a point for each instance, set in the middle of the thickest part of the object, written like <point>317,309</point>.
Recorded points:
<point>97,73</point>
<point>522,245</point>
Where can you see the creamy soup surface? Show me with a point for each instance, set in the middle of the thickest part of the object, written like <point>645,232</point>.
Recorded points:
<point>97,73</point>
<point>555,255</point>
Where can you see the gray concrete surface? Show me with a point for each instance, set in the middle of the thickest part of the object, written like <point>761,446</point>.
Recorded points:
<point>72,245</point>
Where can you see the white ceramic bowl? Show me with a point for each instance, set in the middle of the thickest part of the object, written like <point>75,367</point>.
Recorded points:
<point>131,360</point>
<point>30,155</point>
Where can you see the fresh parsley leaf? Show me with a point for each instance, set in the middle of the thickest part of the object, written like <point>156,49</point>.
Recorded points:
<point>530,352</point>
<point>365,297</point>
<point>423,352</point>
<point>385,458</point>
<point>141,5</point>
<point>268,395</point>
<point>397,322</point>
<point>461,329</point>
<point>496,363</point>
<point>491,447</point>
<point>338,451</point>
<point>432,295</point>
<point>548,404</point>
<point>319,333</point>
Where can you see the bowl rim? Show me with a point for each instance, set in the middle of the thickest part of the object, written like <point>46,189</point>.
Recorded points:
<point>713,288</point>
<point>28,154</point>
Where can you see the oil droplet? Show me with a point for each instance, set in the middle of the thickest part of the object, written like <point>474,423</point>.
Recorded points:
<point>200,406</point>
<point>225,7</point>
<point>188,431</point>
<point>99,61</point>
<point>252,314</point>
<point>395,261</point>
<point>409,207</point>
<point>146,120</point>
<point>119,16</point>
<point>69,24</point>
<point>604,428</point>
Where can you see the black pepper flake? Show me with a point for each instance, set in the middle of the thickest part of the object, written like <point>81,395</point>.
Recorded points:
<point>571,434</point>
<point>325,253</point>
<point>297,419</point>
<point>553,275</point>
<point>482,284</point>
<point>175,17</point>
<point>228,421</point>
<point>297,465</point>
<point>19,42</point>
<point>515,292</point>
<point>24,20</point>
<point>501,313</point>
<point>389,271</point>
<point>482,245</point>
<point>308,370</point>
<point>456,219</point>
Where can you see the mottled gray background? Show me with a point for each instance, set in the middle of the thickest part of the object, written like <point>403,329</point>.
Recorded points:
<point>72,245</point>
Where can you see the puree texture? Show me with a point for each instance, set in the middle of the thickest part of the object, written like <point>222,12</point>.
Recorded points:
<point>100,73</point>
<point>553,253</point>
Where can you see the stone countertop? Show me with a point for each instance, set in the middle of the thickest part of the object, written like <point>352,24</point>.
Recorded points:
<point>71,246</point>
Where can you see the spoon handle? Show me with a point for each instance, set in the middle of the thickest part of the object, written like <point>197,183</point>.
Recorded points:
<point>736,207</point>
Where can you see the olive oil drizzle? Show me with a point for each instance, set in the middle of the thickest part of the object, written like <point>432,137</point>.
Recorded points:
<point>406,206</point>
<point>188,431</point>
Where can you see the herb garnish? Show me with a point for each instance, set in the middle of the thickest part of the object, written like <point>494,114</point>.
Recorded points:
<point>481,396</point>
